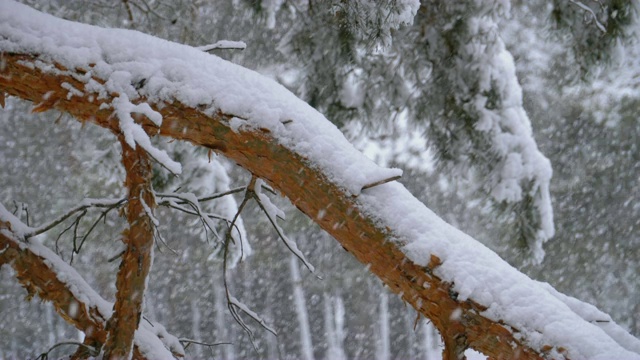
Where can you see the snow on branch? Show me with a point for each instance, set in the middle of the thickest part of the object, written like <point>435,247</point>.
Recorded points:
<point>224,45</point>
<point>134,134</point>
<point>44,273</point>
<point>589,10</point>
<point>480,298</point>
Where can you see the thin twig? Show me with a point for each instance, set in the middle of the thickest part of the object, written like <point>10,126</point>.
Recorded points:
<point>115,257</point>
<point>380,182</point>
<point>85,204</point>
<point>287,242</point>
<point>219,195</point>
<point>593,14</point>
<point>228,237</point>
<point>190,341</point>
<point>92,351</point>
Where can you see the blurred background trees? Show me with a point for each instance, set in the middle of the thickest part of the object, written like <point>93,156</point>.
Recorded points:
<point>407,96</point>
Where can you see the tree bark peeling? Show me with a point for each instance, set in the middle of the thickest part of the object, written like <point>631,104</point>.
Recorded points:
<point>307,188</point>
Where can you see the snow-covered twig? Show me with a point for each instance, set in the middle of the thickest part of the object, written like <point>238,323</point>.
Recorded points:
<point>272,212</point>
<point>593,14</point>
<point>224,45</point>
<point>230,303</point>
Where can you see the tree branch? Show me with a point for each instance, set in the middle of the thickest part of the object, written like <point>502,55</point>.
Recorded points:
<point>41,272</point>
<point>365,231</point>
<point>306,186</point>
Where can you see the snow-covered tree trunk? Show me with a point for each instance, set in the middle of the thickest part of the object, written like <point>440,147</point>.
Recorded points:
<point>306,345</point>
<point>472,296</point>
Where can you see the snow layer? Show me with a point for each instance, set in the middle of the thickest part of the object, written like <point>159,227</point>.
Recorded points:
<point>137,65</point>
<point>542,315</point>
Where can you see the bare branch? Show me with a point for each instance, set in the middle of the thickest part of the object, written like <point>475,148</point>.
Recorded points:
<point>593,14</point>
<point>84,205</point>
<point>288,243</point>
<point>184,341</point>
<point>91,350</point>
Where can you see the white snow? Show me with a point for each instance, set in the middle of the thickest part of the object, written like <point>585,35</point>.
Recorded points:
<point>174,72</point>
<point>17,227</point>
<point>508,126</point>
<point>152,343</point>
<point>540,314</point>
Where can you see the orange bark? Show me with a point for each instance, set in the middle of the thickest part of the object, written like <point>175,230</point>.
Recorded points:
<point>136,260</point>
<point>459,322</point>
<point>38,278</point>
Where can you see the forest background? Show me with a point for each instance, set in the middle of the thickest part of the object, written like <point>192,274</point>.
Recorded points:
<point>580,91</point>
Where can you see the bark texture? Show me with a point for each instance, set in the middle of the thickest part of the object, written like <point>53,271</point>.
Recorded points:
<point>37,276</point>
<point>137,257</point>
<point>459,322</point>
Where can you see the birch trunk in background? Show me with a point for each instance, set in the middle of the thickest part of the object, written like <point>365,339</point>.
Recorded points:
<point>223,331</point>
<point>333,322</point>
<point>306,345</point>
<point>383,347</point>
<point>195,327</point>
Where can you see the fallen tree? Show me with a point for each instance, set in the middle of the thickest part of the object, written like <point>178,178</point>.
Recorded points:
<point>138,86</point>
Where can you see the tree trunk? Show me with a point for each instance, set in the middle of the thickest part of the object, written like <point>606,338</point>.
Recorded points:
<point>138,255</point>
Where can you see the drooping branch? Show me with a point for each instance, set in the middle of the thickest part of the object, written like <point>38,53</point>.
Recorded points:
<point>137,257</point>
